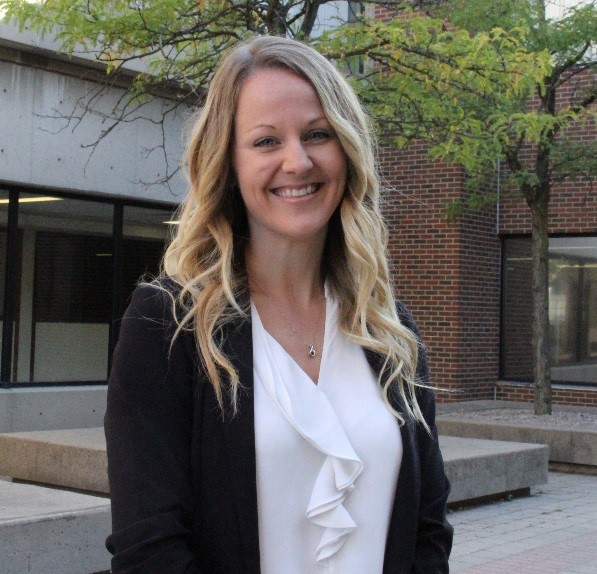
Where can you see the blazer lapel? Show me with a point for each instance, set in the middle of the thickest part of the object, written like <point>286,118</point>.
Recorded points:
<point>400,542</point>
<point>239,440</point>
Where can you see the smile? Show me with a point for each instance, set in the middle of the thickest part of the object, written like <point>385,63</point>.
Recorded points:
<point>296,192</point>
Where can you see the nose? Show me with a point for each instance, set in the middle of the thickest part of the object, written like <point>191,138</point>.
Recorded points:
<point>296,159</point>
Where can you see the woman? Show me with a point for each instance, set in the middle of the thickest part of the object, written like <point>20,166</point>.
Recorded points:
<point>267,409</point>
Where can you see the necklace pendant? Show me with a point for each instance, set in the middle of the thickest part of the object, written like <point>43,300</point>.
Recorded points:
<point>311,351</point>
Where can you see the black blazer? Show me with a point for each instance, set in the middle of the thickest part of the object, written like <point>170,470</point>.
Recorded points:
<point>182,474</point>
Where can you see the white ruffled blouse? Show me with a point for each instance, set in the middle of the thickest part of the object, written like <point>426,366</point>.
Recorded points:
<point>328,457</point>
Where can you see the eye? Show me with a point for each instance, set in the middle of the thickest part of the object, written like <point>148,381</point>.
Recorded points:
<point>265,142</point>
<point>319,135</point>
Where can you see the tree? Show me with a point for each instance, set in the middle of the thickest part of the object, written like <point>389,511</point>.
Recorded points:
<point>536,137</point>
<point>418,78</point>
<point>458,79</point>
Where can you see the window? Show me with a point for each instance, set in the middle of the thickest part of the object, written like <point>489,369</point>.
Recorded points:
<point>3,246</point>
<point>145,233</point>
<point>73,266</point>
<point>572,309</point>
<point>65,290</point>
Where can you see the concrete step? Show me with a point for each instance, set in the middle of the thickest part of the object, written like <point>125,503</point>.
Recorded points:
<point>478,468</point>
<point>76,458</point>
<point>480,419</point>
<point>50,531</point>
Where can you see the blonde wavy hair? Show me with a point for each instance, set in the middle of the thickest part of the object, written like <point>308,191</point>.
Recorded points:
<point>206,256</point>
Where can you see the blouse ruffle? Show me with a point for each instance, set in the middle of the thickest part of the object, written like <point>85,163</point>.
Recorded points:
<point>309,411</point>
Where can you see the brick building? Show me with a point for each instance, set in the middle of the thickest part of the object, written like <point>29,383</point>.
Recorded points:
<point>62,211</point>
<point>469,283</point>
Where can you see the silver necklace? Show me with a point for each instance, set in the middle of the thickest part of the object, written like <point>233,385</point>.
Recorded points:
<point>311,351</point>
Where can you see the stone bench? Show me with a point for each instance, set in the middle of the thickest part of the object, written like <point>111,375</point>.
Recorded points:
<point>567,444</point>
<point>77,459</point>
<point>481,468</point>
<point>50,531</point>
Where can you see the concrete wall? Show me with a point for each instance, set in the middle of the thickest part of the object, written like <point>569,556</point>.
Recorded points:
<point>33,409</point>
<point>39,147</point>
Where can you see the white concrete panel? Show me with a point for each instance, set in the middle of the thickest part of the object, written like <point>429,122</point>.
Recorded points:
<point>16,121</point>
<point>38,146</point>
<point>10,35</point>
<point>71,352</point>
<point>35,408</point>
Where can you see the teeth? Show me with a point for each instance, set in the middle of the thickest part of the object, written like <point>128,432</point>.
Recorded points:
<point>296,192</point>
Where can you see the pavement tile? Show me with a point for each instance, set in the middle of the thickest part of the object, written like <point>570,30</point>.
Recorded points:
<point>553,531</point>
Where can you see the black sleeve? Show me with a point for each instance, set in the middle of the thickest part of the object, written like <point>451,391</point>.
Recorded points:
<point>434,536</point>
<point>148,434</point>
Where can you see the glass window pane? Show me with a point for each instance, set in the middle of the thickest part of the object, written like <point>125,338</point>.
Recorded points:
<point>145,234</point>
<point>3,234</point>
<point>65,290</point>
<point>572,309</point>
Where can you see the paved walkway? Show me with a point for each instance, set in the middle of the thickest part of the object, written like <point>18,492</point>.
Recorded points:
<point>554,531</point>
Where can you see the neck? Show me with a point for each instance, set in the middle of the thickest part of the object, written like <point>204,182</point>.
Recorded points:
<point>292,272</point>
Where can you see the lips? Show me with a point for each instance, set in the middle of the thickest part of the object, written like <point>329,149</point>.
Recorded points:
<point>296,191</point>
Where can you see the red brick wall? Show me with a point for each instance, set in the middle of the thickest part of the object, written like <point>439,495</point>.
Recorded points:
<point>573,203</point>
<point>561,395</point>
<point>572,210</point>
<point>479,303</point>
<point>447,274</point>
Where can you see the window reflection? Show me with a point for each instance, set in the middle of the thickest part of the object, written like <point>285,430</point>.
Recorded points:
<point>572,309</point>
<point>64,303</point>
<point>71,276</point>
<point>145,233</point>
<point>3,238</point>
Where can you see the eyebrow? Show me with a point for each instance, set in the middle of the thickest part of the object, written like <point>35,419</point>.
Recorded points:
<point>271,127</point>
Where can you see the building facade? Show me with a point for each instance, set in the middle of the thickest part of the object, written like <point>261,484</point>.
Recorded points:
<point>469,283</point>
<point>78,227</point>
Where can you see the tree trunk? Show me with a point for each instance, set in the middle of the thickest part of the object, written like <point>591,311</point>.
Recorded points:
<point>540,264</point>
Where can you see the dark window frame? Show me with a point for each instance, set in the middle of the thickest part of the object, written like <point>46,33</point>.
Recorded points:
<point>11,275</point>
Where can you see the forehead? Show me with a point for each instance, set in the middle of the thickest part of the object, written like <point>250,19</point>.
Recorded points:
<point>275,92</point>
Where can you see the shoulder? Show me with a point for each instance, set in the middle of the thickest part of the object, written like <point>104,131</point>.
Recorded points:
<point>150,340</point>
<point>156,301</point>
<point>153,316</point>
<point>406,317</point>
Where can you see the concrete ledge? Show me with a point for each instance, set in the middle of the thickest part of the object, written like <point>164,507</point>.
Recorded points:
<point>77,458</point>
<point>73,458</point>
<point>31,409</point>
<point>50,531</point>
<point>47,531</point>
<point>478,468</point>
<point>566,445</point>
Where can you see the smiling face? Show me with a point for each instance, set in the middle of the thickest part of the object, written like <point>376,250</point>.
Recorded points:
<point>289,164</point>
